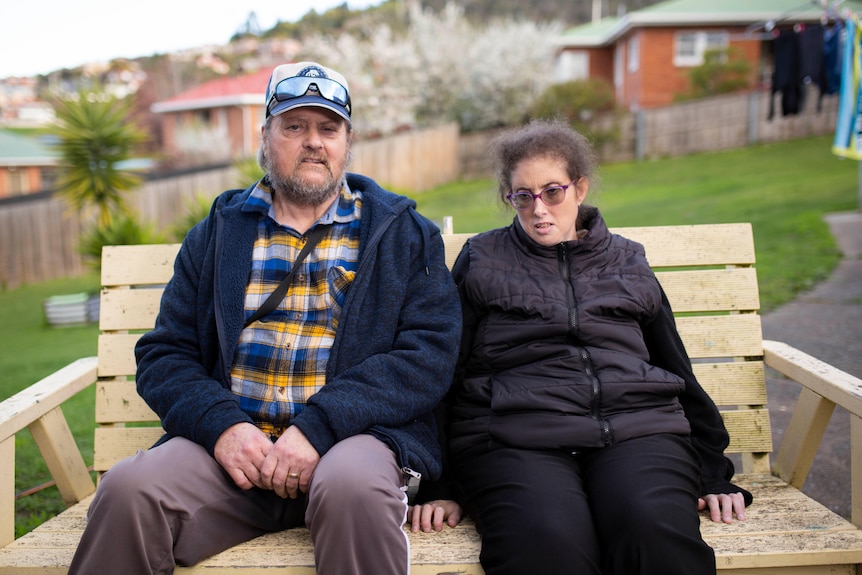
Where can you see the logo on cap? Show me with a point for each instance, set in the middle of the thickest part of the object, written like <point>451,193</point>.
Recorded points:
<point>313,72</point>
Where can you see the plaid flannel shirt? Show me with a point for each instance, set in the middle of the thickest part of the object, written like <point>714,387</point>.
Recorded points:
<point>281,359</point>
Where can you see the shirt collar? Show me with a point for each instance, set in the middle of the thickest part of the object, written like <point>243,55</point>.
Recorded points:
<point>341,210</point>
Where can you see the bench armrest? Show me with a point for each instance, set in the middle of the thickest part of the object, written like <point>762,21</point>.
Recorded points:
<point>823,387</point>
<point>38,408</point>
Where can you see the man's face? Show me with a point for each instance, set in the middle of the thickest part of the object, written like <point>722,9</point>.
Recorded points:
<point>306,152</point>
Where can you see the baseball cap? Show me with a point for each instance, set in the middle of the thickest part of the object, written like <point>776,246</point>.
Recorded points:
<point>307,84</point>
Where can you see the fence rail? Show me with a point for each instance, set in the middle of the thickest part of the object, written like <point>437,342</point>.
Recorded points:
<point>39,238</point>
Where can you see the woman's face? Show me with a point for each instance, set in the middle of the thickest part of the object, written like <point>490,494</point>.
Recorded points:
<point>548,225</point>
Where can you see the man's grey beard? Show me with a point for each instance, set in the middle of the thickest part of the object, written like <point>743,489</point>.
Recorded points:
<point>301,192</point>
<point>298,190</point>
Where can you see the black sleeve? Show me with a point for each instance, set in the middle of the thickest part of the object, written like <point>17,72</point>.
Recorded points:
<point>708,434</point>
<point>446,487</point>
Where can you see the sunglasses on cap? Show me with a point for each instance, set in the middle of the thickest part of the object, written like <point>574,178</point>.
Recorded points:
<point>298,86</point>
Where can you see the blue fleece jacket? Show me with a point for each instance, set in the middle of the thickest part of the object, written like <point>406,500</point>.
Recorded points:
<point>392,358</point>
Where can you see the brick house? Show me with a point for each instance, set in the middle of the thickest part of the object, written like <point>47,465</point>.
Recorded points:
<point>26,165</point>
<point>647,54</point>
<point>214,121</point>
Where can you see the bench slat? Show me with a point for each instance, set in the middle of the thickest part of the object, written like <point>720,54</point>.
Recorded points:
<point>136,265</point>
<point>711,290</point>
<point>129,309</point>
<point>721,336</point>
<point>112,444</point>
<point>672,246</point>
<point>739,383</point>
<point>694,245</point>
<point>117,354</point>
<point>749,430</point>
<point>733,383</point>
<point>118,401</point>
<point>786,530</point>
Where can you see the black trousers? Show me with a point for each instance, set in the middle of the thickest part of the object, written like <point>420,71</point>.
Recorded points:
<point>627,509</point>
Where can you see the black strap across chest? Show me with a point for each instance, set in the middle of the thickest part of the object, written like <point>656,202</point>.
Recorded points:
<point>275,297</point>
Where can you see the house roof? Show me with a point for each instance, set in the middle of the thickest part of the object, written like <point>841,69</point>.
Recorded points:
<point>703,12</point>
<point>245,90</point>
<point>16,150</point>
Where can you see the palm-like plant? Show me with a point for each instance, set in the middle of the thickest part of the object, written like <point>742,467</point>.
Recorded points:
<point>94,136</point>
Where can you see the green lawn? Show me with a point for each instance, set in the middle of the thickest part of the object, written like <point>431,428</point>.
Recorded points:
<point>783,189</point>
<point>32,350</point>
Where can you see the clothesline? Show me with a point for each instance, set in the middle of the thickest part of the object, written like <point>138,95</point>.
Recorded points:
<point>831,12</point>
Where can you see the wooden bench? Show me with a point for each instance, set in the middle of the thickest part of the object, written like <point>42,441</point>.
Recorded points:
<point>708,273</point>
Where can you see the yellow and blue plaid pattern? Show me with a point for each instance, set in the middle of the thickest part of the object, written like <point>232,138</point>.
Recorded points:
<point>281,359</point>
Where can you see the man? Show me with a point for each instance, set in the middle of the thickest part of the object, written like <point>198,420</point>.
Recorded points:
<point>317,412</point>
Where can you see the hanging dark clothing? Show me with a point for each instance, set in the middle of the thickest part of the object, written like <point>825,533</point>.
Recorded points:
<point>785,76</point>
<point>830,78</point>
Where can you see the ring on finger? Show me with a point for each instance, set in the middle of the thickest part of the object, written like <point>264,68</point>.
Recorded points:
<point>293,475</point>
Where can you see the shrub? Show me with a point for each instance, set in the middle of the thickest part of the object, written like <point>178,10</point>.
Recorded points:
<point>196,209</point>
<point>723,71</point>
<point>123,229</point>
<point>584,104</point>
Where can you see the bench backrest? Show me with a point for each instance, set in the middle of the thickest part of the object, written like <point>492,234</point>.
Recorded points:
<point>706,270</point>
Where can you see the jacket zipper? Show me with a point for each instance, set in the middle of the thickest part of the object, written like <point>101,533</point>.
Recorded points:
<point>570,291</point>
<point>574,328</point>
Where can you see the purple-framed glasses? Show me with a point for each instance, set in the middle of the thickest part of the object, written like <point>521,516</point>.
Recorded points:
<point>551,196</point>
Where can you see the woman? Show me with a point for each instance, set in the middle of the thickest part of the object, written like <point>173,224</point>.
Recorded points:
<point>579,435</point>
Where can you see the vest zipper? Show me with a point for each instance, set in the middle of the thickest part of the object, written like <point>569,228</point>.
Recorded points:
<point>574,328</point>
<point>571,302</point>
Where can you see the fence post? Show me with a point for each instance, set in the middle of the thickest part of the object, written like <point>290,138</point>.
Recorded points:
<point>448,225</point>
<point>753,116</point>
<point>640,137</point>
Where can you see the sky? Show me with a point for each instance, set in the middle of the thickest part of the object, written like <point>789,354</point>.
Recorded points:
<point>38,37</point>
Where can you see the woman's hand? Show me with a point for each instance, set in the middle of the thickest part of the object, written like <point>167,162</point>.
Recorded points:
<point>431,515</point>
<point>723,506</point>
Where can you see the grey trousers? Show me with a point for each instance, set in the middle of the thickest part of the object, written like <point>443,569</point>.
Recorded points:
<point>174,504</point>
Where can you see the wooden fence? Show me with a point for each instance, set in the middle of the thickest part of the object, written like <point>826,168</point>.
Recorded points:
<point>38,238</point>
<point>720,123</point>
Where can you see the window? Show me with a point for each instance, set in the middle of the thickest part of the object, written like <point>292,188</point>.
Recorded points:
<point>690,46</point>
<point>618,68</point>
<point>16,182</point>
<point>634,54</point>
<point>572,65</point>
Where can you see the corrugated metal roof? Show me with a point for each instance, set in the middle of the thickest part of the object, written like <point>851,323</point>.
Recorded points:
<point>17,150</point>
<point>743,8</point>
<point>706,12</point>
<point>248,89</point>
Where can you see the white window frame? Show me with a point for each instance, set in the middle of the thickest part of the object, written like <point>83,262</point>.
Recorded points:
<point>618,69</point>
<point>633,56</point>
<point>572,65</point>
<point>16,181</point>
<point>689,46</point>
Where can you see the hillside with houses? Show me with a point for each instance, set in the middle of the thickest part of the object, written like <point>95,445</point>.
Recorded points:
<point>433,69</point>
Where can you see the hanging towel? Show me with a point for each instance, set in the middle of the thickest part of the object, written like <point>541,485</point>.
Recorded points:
<point>848,127</point>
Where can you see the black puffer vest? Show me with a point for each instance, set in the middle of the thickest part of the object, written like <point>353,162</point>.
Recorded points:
<point>557,358</point>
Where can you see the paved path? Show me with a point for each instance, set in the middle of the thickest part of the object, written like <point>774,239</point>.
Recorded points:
<point>826,323</point>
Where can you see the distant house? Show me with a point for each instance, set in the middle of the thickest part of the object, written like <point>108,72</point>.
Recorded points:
<point>215,121</point>
<point>27,115</point>
<point>26,165</point>
<point>647,55</point>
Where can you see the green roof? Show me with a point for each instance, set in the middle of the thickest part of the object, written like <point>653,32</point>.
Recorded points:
<point>705,12</point>
<point>17,150</point>
<point>777,9</point>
